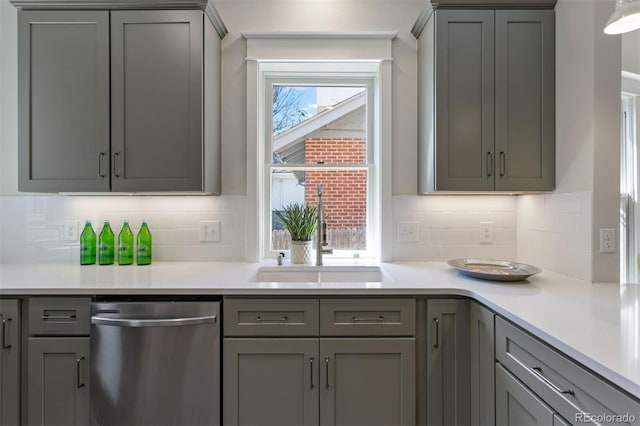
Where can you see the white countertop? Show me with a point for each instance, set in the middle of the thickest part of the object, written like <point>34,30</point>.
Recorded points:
<point>596,324</point>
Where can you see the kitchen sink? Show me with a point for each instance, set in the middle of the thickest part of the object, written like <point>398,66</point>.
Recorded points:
<point>315,274</point>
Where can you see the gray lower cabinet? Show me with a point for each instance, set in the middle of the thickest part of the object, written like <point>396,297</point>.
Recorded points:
<point>116,100</point>
<point>486,102</point>
<point>448,379</point>
<point>10,363</point>
<point>286,362</point>
<point>367,381</point>
<point>516,405</point>
<point>58,381</point>
<point>301,381</point>
<point>482,362</point>
<point>271,381</point>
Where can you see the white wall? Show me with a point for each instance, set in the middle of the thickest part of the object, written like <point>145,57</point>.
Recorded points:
<point>320,15</point>
<point>587,143</point>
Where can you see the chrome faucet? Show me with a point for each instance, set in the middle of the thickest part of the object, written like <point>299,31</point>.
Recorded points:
<point>322,232</point>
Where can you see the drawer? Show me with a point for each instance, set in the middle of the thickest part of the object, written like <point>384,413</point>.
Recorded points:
<point>367,317</point>
<point>568,388</point>
<point>270,317</point>
<point>64,316</point>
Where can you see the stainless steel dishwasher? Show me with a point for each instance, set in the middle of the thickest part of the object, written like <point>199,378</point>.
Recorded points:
<point>155,363</point>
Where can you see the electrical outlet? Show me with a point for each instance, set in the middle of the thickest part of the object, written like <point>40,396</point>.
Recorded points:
<point>70,231</point>
<point>486,232</point>
<point>209,231</point>
<point>408,232</point>
<point>607,240</point>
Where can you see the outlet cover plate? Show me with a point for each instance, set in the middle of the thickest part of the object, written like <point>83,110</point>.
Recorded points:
<point>486,232</point>
<point>607,240</point>
<point>209,231</point>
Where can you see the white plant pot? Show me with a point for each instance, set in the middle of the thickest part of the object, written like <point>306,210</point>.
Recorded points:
<point>301,252</point>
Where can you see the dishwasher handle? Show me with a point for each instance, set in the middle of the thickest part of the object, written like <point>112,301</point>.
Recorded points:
<point>162,322</point>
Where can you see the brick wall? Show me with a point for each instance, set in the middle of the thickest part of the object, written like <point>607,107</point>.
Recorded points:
<point>345,192</point>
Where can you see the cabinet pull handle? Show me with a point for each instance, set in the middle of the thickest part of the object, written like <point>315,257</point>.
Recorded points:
<point>5,326</point>
<point>437,339</point>
<point>281,319</point>
<point>326,372</point>
<point>489,164</point>
<point>311,370</point>
<point>58,317</point>
<point>503,163</point>
<point>538,372</point>
<point>116,173</point>
<point>100,172</point>
<point>356,319</point>
<point>79,383</point>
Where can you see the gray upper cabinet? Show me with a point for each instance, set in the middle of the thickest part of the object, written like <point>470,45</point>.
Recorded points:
<point>119,100</point>
<point>63,91</point>
<point>525,100</point>
<point>486,100</point>
<point>10,363</point>
<point>156,100</point>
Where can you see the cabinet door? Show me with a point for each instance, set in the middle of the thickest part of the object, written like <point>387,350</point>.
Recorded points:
<point>464,100</point>
<point>63,101</point>
<point>10,363</point>
<point>270,382</point>
<point>156,100</point>
<point>516,404</point>
<point>367,382</point>
<point>483,361</point>
<point>58,381</point>
<point>525,100</point>
<point>448,382</point>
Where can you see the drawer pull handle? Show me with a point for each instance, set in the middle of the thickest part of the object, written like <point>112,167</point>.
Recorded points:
<point>437,339</point>
<point>326,372</point>
<point>489,164</point>
<point>538,372</point>
<point>282,319</point>
<point>503,164</point>
<point>116,172</point>
<point>57,317</point>
<point>356,319</point>
<point>100,172</point>
<point>79,383</point>
<point>5,326</point>
<point>311,370</point>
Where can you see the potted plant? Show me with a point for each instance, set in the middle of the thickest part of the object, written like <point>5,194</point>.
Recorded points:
<point>301,221</point>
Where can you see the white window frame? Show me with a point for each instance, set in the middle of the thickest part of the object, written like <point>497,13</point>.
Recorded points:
<point>364,56</point>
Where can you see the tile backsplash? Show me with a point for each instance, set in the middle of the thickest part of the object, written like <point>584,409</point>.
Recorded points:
<point>551,231</point>
<point>449,226</point>
<point>554,232</point>
<point>31,227</point>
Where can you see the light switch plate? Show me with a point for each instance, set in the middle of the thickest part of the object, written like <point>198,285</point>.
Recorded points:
<point>486,232</point>
<point>407,232</point>
<point>209,231</point>
<point>70,231</point>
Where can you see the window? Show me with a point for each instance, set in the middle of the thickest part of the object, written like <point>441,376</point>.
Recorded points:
<point>318,136</point>
<point>629,211</point>
<point>312,120</point>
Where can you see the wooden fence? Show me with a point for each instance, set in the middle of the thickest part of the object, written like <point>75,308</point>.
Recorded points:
<point>338,239</point>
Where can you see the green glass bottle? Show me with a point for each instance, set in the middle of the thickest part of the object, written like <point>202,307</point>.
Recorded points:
<point>143,245</point>
<point>125,245</point>
<point>106,245</point>
<point>87,245</point>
